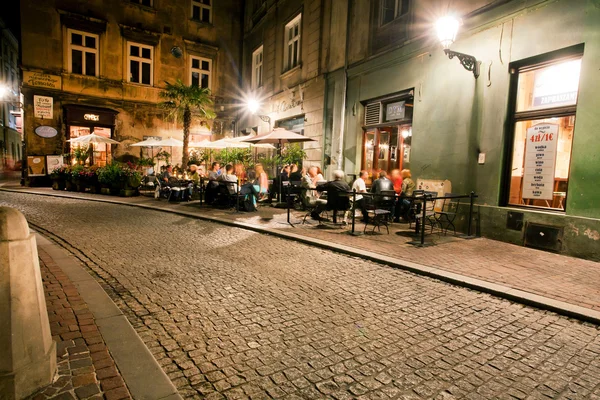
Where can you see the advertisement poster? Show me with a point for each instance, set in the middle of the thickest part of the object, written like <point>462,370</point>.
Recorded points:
<point>53,162</point>
<point>43,107</point>
<point>540,162</point>
<point>36,165</point>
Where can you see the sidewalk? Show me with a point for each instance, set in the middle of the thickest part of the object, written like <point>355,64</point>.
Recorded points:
<point>568,285</point>
<point>99,355</point>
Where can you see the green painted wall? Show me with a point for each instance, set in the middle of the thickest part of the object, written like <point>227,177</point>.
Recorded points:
<point>457,116</point>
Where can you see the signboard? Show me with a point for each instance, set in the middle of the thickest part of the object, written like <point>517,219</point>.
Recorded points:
<point>39,79</point>
<point>54,162</point>
<point>36,165</point>
<point>46,131</point>
<point>435,185</point>
<point>557,85</point>
<point>43,107</point>
<point>395,110</point>
<point>540,161</point>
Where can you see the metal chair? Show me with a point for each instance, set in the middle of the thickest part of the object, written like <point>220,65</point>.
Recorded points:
<point>429,211</point>
<point>448,213</point>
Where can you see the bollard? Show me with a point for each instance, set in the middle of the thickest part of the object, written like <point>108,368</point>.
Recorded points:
<point>28,354</point>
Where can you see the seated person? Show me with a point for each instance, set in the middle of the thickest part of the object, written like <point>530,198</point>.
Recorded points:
<point>213,173</point>
<point>212,187</point>
<point>408,188</point>
<point>360,186</point>
<point>250,190</point>
<point>337,195</point>
<point>263,180</point>
<point>284,176</point>
<point>193,175</point>
<point>229,176</point>
<point>295,173</point>
<point>168,174</point>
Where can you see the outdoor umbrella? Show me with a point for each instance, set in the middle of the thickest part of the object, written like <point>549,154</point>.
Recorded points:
<point>91,139</point>
<point>147,143</point>
<point>279,136</point>
<point>170,142</point>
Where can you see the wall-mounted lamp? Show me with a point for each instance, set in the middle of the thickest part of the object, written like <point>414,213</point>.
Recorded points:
<point>447,28</point>
<point>253,106</point>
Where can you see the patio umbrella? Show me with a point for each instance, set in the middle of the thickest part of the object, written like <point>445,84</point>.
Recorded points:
<point>148,143</point>
<point>240,140</point>
<point>279,136</point>
<point>92,138</point>
<point>170,142</point>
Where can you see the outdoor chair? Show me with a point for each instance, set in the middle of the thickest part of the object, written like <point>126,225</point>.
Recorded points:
<point>448,213</point>
<point>310,202</point>
<point>430,214</point>
<point>147,185</point>
<point>382,210</point>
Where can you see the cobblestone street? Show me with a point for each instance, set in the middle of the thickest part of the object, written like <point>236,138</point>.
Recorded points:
<point>229,313</point>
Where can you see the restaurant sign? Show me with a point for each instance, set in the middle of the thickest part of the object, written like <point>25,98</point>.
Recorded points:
<point>540,162</point>
<point>395,111</point>
<point>43,107</point>
<point>46,131</point>
<point>39,79</point>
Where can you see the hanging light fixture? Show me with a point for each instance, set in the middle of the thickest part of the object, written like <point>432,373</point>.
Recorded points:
<point>447,29</point>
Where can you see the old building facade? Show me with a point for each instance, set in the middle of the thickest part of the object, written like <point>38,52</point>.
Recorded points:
<point>99,66</point>
<point>10,110</point>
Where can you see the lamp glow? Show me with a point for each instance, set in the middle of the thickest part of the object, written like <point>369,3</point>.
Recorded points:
<point>447,28</point>
<point>253,106</point>
<point>405,133</point>
<point>3,91</point>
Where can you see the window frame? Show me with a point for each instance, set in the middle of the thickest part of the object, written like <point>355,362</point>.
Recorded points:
<point>141,60</point>
<point>83,49</point>
<point>256,80</point>
<point>201,6</point>
<point>139,3</point>
<point>514,116</point>
<point>297,20</point>
<point>399,11</point>
<point>200,70</point>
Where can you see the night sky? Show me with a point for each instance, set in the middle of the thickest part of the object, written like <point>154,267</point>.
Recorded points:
<point>9,12</point>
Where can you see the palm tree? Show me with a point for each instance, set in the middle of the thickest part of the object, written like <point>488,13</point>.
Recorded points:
<point>184,101</point>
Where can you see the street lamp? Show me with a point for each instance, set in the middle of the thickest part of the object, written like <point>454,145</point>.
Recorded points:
<point>253,106</point>
<point>447,28</point>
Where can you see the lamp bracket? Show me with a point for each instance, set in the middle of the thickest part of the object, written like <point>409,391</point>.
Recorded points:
<point>264,118</point>
<point>470,63</point>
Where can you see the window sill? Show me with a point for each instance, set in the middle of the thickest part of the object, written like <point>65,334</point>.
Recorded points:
<point>291,71</point>
<point>141,7</point>
<point>207,24</point>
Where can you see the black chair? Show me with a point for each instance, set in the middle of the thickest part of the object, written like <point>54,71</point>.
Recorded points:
<point>430,214</point>
<point>448,213</point>
<point>381,212</point>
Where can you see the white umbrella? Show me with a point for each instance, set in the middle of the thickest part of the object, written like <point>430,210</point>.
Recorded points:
<point>92,138</point>
<point>240,140</point>
<point>147,143</point>
<point>170,142</point>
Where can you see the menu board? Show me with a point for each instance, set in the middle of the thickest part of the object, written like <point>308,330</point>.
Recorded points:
<point>36,165</point>
<point>540,161</point>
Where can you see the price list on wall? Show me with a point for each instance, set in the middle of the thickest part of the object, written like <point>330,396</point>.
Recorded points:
<point>540,162</point>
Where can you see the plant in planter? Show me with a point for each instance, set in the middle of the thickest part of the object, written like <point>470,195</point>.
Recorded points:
<point>78,178</point>
<point>81,154</point>
<point>164,155</point>
<point>109,178</point>
<point>59,176</point>
<point>131,179</point>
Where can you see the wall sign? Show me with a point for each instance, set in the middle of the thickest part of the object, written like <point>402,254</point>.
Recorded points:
<point>43,107</point>
<point>395,110</point>
<point>46,131</point>
<point>39,79</point>
<point>36,165</point>
<point>91,117</point>
<point>53,162</point>
<point>540,162</point>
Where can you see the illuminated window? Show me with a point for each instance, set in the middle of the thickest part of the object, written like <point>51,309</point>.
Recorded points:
<point>139,63</point>
<point>202,11</point>
<point>201,72</point>
<point>291,57</point>
<point>83,53</point>
<point>257,68</point>
<point>546,100</point>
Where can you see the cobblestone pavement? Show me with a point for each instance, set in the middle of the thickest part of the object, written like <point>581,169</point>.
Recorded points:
<point>233,314</point>
<point>86,369</point>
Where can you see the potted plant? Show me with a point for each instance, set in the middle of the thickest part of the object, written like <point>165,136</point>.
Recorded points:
<point>131,179</point>
<point>59,177</point>
<point>81,154</point>
<point>78,177</point>
<point>109,178</point>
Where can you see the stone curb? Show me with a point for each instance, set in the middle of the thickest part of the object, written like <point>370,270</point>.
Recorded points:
<point>142,374</point>
<point>506,292</point>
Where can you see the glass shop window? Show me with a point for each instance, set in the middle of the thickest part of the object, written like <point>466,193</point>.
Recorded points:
<point>546,101</point>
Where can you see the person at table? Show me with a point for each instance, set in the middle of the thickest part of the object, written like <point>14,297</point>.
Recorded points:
<point>396,178</point>
<point>319,176</point>
<point>263,180</point>
<point>213,173</point>
<point>250,190</point>
<point>284,176</point>
<point>360,186</point>
<point>168,174</point>
<point>337,196</point>
<point>295,173</point>
<point>193,175</point>
<point>383,183</point>
<point>230,177</point>
<point>408,188</point>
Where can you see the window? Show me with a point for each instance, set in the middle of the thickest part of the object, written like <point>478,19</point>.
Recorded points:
<point>83,53</point>
<point>544,123</point>
<point>392,9</point>
<point>257,68</point>
<point>147,3</point>
<point>292,43</point>
<point>201,72</point>
<point>139,63</point>
<point>202,11</point>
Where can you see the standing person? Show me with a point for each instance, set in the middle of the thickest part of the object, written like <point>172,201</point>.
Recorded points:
<point>396,176</point>
<point>408,188</point>
<point>263,180</point>
<point>360,186</point>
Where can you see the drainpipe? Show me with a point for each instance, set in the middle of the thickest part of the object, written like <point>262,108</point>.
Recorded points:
<point>340,151</point>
